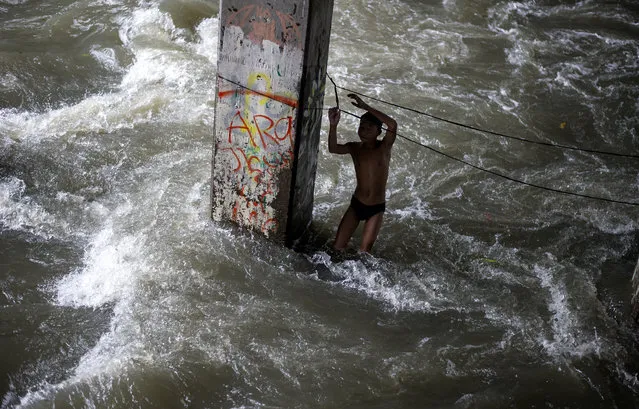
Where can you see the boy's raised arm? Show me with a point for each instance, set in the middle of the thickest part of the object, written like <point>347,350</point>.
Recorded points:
<point>391,124</point>
<point>333,146</point>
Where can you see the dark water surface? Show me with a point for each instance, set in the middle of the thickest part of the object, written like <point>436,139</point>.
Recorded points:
<point>118,291</point>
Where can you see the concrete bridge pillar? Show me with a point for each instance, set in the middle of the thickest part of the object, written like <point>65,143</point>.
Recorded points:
<point>271,75</point>
<point>635,294</point>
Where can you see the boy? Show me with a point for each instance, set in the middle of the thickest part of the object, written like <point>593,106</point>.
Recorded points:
<point>371,158</point>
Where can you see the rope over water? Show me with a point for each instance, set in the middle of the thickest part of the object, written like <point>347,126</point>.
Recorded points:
<point>554,145</point>
<point>565,192</point>
<point>335,88</point>
<point>549,189</point>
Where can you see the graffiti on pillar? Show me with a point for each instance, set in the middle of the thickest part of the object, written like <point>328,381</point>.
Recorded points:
<point>257,145</point>
<point>260,23</point>
<point>260,68</point>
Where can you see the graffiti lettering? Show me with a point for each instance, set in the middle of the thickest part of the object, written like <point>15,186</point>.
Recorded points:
<point>256,165</point>
<point>259,67</point>
<point>269,130</point>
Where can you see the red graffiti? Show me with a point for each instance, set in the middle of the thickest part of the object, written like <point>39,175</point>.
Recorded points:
<point>262,147</point>
<point>244,127</point>
<point>274,131</point>
<point>270,225</point>
<point>253,163</point>
<point>255,210</point>
<point>292,102</point>
<point>270,131</point>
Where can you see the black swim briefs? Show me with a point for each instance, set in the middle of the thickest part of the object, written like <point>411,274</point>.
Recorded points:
<point>365,212</point>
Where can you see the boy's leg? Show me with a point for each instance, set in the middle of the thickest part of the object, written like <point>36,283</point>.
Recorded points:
<point>346,229</point>
<point>371,230</point>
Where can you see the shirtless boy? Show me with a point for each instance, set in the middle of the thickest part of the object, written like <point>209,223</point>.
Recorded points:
<point>371,158</point>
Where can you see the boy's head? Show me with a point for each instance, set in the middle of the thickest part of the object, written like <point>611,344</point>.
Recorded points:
<point>370,125</point>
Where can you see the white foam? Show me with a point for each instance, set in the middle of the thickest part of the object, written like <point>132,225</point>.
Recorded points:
<point>121,254</point>
<point>162,60</point>
<point>607,221</point>
<point>8,81</point>
<point>458,193</point>
<point>111,265</point>
<point>568,338</point>
<point>629,379</point>
<point>12,122</point>
<point>147,26</point>
<point>501,98</point>
<point>419,208</point>
<point>123,249</point>
<point>500,21</point>
<point>106,57</point>
<point>449,4</point>
<point>159,83</point>
<point>98,114</point>
<point>207,30</point>
<point>374,278</point>
<point>19,212</point>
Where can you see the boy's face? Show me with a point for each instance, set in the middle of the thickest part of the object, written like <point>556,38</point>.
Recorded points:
<point>368,130</point>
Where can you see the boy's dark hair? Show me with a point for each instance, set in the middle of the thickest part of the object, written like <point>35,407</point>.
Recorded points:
<point>372,118</point>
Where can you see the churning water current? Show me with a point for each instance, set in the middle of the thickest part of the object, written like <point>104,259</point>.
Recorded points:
<point>118,291</point>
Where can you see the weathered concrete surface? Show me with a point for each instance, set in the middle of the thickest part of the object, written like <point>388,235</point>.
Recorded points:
<point>271,72</point>
<point>635,292</point>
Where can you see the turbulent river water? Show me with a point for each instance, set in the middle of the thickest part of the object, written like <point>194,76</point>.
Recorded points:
<point>118,291</point>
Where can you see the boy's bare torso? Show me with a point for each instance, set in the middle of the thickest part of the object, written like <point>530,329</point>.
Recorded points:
<point>371,169</point>
<point>371,158</point>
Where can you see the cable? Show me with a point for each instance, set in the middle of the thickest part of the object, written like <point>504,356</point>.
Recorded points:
<point>279,99</point>
<point>335,88</point>
<point>504,176</point>
<point>554,145</point>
